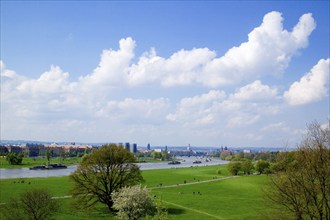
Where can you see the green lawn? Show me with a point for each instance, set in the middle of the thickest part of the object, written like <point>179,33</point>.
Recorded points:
<point>154,178</point>
<point>30,162</point>
<point>235,198</point>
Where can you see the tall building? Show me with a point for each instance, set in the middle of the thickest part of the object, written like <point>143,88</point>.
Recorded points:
<point>134,148</point>
<point>148,146</point>
<point>127,146</point>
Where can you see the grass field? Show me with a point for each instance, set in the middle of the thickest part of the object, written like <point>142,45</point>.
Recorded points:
<point>235,198</point>
<point>30,162</point>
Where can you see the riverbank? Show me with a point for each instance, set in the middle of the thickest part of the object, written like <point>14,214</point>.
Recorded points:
<point>6,173</point>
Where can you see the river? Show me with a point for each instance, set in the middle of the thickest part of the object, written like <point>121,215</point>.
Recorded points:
<point>27,173</point>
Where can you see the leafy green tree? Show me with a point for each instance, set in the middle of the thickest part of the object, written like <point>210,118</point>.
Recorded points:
<point>225,155</point>
<point>301,184</point>
<point>262,166</point>
<point>15,159</point>
<point>239,156</point>
<point>234,167</point>
<point>133,202</point>
<point>101,173</point>
<point>166,155</point>
<point>247,166</point>
<point>36,204</point>
<point>156,155</point>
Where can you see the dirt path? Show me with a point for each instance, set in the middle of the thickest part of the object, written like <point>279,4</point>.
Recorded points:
<point>191,183</point>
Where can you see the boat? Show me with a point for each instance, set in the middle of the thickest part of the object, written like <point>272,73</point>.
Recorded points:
<point>174,162</point>
<point>49,167</point>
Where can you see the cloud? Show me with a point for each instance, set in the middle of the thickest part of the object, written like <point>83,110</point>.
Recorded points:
<point>113,67</point>
<point>112,100</point>
<point>242,108</point>
<point>135,111</point>
<point>311,87</point>
<point>52,82</point>
<point>182,68</point>
<point>255,91</point>
<point>197,110</point>
<point>268,51</point>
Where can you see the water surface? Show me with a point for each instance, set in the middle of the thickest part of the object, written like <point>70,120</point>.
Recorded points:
<point>27,173</point>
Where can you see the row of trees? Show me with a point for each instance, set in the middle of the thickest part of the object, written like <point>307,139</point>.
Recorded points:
<point>245,166</point>
<point>254,156</point>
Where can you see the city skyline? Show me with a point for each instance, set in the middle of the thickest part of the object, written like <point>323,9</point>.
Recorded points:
<point>212,73</point>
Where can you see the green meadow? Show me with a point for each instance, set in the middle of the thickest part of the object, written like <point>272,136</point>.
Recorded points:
<point>30,162</point>
<point>232,198</point>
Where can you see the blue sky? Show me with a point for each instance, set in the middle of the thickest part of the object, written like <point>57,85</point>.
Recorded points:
<point>235,73</point>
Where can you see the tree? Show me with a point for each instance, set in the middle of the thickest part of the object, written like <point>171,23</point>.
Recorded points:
<point>302,186</point>
<point>48,155</point>
<point>15,159</point>
<point>102,172</point>
<point>133,202</point>
<point>165,155</point>
<point>156,155</point>
<point>36,204</point>
<point>239,156</point>
<point>234,167</point>
<point>247,166</point>
<point>262,166</point>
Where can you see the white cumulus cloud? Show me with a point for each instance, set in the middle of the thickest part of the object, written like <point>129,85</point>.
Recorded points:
<point>268,51</point>
<point>311,87</point>
<point>255,91</point>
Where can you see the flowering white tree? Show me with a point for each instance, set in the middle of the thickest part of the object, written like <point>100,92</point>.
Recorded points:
<point>133,202</point>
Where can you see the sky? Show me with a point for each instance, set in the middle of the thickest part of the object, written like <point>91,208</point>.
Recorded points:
<point>204,73</point>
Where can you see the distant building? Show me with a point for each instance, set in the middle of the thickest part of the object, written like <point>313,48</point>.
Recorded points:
<point>134,148</point>
<point>148,146</point>
<point>128,146</point>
